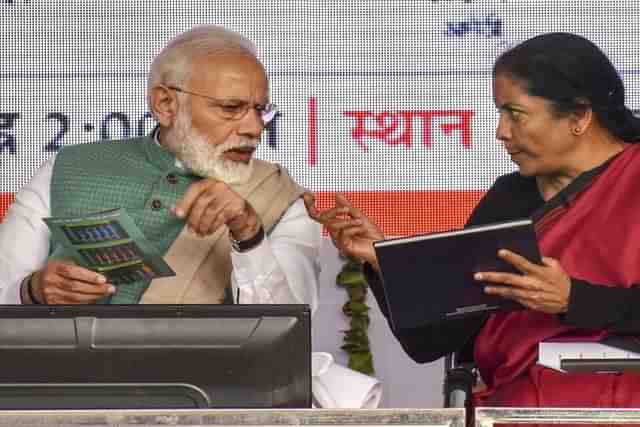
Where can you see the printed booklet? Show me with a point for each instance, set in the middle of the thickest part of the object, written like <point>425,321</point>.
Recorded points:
<point>110,243</point>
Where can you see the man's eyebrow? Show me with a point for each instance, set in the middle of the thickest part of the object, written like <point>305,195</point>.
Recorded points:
<point>234,100</point>
<point>239,101</point>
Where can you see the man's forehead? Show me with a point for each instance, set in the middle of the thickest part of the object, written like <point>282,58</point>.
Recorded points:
<point>239,74</point>
<point>229,58</point>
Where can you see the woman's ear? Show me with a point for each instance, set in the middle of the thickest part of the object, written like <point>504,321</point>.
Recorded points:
<point>164,105</point>
<point>581,120</point>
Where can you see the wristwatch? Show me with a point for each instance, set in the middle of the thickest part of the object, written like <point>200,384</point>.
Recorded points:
<point>245,245</point>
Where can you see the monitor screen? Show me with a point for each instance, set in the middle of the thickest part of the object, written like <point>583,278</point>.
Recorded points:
<point>155,356</point>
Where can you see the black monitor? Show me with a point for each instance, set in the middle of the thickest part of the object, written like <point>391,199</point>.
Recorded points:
<point>155,356</point>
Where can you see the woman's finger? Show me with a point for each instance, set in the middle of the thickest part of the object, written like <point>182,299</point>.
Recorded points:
<point>518,261</point>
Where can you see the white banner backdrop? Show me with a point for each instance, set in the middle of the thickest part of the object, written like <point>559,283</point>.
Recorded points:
<point>388,101</point>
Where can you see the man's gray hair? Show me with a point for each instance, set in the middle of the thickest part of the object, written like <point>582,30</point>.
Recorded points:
<point>172,66</point>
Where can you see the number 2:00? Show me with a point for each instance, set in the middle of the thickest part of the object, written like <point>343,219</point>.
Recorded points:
<point>110,124</point>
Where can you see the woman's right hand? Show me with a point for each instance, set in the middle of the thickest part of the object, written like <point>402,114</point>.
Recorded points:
<point>352,232</point>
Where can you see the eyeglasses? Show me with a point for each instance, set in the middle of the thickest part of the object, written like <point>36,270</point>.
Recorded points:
<point>235,110</point>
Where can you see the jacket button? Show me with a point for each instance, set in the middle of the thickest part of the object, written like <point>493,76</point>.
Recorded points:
<point>172,178</point>
<point>156,204</point>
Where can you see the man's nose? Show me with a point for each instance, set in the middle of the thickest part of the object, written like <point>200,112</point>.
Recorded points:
<point>251,124</point>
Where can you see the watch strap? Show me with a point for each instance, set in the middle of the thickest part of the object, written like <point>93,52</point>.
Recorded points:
<point>245,245</point>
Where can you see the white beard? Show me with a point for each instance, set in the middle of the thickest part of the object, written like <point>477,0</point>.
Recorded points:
<point>204,159</point>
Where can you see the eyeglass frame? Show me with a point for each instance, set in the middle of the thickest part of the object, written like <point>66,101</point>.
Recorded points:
<point>269,109</point>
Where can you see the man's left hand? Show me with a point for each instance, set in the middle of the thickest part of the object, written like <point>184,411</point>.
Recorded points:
<point>543,288</point>
<point>209,204</point>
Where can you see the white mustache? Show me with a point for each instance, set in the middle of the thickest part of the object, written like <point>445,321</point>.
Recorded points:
<point>240,143</point>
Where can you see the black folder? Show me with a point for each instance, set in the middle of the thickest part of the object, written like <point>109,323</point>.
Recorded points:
<point>429,278</point>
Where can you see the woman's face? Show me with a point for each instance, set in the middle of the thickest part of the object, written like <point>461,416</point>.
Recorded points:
<point>539,142</point>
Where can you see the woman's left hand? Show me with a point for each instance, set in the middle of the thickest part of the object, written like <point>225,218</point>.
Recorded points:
<point>543,288</point>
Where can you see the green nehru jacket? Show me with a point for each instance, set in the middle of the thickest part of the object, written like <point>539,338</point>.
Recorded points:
<point>135,174</point>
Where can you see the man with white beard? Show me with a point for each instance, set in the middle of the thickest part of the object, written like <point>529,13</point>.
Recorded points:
<point>232,227</point>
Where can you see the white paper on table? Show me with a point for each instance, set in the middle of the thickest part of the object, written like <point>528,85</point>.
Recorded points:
<point>336,386</point>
